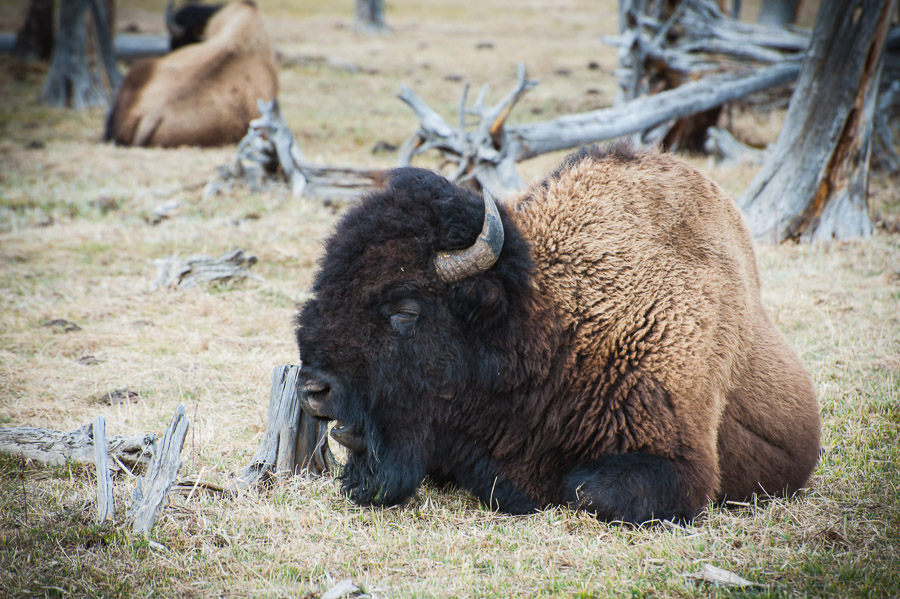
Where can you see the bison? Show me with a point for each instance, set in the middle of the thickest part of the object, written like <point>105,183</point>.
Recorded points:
<point>597,341</point>
<point>201,94</point>
<point>187,25</point>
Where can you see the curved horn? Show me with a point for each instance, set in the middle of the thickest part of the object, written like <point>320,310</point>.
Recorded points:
<point>175,30</point>
<point>456,265</point>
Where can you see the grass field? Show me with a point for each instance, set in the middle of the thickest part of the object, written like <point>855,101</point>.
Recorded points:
<point>77,243</point>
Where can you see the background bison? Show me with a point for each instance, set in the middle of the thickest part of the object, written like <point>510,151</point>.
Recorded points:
<point>613,356</point>
<point>203,93</point>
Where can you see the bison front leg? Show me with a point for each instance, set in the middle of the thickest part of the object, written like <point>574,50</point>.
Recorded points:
<point>637,487</point>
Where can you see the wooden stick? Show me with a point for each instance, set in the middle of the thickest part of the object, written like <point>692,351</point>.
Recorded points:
<point>106,503</point>
<point>150,493</point>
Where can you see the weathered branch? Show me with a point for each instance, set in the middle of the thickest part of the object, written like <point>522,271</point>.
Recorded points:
<point>150,494</point>
<point>56,448</point>
<point>269,150</point>
<point>645,112</point>
<point>173,272</point>
<point>482,153</point>
<point>106,503</point>
<point>728,150</point>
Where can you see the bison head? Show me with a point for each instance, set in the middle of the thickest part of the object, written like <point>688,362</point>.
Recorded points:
<point>187,25</point>
<point>413,298</point>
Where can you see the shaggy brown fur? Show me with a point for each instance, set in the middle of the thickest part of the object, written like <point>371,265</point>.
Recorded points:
<point>652,268</point>
<point>201,94</point>
<point>616,357</point>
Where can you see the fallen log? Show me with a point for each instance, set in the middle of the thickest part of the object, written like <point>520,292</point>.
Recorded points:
<point>663,45</point>
<point>647,111</point>
<point>149,496</point>
<point>55,448</point>
<point>489,158</point>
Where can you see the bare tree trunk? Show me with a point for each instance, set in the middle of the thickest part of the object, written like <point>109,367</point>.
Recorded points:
<point>814,183</point>
<point>35,38</point>
<point>71,81</point>
<point>369,17</point>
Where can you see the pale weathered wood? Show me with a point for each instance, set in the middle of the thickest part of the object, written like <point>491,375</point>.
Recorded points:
<point>663,44</point>
<point>56,448</point>
<point>647,111</point>
<point>481,152</point>
<point>813,185</point>
<point>149,496</point>
<point>292,438</point>
<point>106,503</point>
<point>173,272</point>
<point>269,152</point>
<point>728,150</point>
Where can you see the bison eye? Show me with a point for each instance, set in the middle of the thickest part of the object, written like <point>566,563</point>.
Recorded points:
<point>403,316</point>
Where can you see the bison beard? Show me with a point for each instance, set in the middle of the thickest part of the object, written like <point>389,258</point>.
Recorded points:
<point>613,356</point>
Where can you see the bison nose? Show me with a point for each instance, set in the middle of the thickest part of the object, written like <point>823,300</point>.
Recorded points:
<point>314,394</point>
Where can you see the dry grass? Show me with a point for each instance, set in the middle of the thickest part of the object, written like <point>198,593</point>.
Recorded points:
<point>75,244</point>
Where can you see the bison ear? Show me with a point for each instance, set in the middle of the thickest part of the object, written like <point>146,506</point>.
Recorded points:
<point>478,301</point>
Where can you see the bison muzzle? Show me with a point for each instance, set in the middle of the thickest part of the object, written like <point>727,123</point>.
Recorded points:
<point>597,341</point>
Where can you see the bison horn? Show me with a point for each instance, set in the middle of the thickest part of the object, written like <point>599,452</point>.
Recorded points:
<point>175,30</point>
<point>456,265</point>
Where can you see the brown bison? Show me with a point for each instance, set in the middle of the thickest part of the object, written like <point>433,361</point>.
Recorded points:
<point>597,341</point>
<point>201,94</point>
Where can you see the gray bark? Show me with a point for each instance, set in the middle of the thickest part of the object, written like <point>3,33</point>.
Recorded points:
<point>71,81</point>
<point>173,272</point>
<point>106,504</point>
<point>293,442</point>
<point>813,185</point>
<point>150,494</point>
<point>777,13</point>
<point>644,112</point>
<point>55,448</point>
<point>269,151</point>
<point>369,17</point>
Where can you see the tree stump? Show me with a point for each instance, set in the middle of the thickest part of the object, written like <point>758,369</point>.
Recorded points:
<point>293,443</point>
<point>813,185</point>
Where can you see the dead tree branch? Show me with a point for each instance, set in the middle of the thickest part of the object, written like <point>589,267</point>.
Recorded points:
<point>270,153</point>
<point>482,152</point>
<point>150,494</point>
<point>173,272</point>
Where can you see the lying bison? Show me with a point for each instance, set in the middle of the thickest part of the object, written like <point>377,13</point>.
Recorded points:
<point>597,341</point>
<point>201,94</point>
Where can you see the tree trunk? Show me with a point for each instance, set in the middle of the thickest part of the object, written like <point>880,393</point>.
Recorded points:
<point>71,80</point>
<point>369,17</point>
<point>778,13</point>
<point>35,38</point>
<point>814,183</point>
